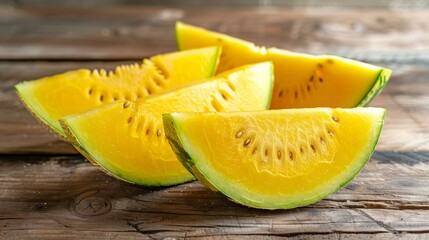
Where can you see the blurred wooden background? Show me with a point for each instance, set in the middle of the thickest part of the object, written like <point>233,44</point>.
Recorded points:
<point>47,190</point>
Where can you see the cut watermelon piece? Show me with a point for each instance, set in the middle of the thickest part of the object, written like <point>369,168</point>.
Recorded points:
<point>301,80</point>
<point>52,98</point>
<point>126,138</point>
<point>275,159</point>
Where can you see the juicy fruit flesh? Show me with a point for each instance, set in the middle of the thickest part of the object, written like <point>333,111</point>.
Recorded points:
<point>306,81</point>
<point>279,158</point>
<point>127,138</point>
<point>54,97</point>
<point>302,80</point>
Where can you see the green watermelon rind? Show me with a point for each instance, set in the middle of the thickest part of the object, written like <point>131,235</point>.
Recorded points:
<point>379,83</point>
<point>186,155</point>
<point>215,62</point>
<point>182,155</point>
<point>177,36</point>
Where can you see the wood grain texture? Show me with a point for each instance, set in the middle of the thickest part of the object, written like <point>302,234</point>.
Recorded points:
<point>133,33</point>
<point>48,191</point>
<point>66,196</point>
<point>405,98</point>
<point>409,4</point>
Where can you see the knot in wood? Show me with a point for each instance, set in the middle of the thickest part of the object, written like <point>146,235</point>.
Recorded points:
<point>93,206</point>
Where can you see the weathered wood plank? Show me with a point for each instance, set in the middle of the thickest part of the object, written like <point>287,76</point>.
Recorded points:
<point>67,196</point>
<point>59,235</point>
<point>413,4</point>
<point>61,197</point>
<point>7,4</point>
<point>405,97</point>
<point>131,33</point>
<point>407,103</point>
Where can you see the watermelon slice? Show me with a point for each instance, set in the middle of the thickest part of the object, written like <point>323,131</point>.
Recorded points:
<point>275,159</point>
<point>54,97</point>
<point>301,80</point>
<point>127,140</point>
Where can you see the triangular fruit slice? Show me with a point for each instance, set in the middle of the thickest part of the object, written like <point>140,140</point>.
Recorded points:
<point>275,159</point>
<point>52,98</point>
<point>301,80</point>
<point>126,138</point>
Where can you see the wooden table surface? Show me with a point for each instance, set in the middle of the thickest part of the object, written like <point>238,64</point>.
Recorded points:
<point>47,190</point>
